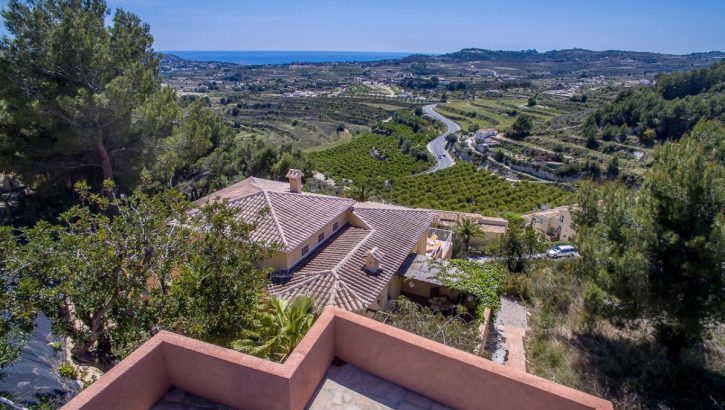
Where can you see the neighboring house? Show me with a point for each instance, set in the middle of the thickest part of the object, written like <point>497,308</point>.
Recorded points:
<point>555,223</point>
<point>491,227</point>
<point>342,253</point>
<point>483,135</point>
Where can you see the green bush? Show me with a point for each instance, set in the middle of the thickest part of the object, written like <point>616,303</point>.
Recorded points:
<point>67,370</point>
<point>484,281</point>
<point>518,286</point>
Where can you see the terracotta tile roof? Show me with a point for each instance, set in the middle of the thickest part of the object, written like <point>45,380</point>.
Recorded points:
<point>299,216</point>
<point>341,280</point>
<point>333,273</point>
<point>332,252</point>
<point>282,218</point>
<point>245,187</point>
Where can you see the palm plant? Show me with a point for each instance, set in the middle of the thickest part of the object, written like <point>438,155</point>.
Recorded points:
<point>279,328</point>
<point>467,229</point>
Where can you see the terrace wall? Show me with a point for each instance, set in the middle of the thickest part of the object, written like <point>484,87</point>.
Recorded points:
<point>444,374</point>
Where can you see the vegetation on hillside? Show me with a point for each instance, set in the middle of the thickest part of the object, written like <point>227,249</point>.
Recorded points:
<point>638,319</point>
<point>656,254</point>
<point>670,109</point>
<point>82,100</point>
<point>105,278</point>
<point>567,344</point>
<point>368,157</point>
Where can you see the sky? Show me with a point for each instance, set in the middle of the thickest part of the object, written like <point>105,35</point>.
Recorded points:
<point>669,26</point>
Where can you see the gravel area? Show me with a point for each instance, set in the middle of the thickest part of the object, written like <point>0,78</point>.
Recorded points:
<point>511,313</point>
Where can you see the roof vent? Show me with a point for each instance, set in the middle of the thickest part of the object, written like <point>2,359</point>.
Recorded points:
<point>373,257</point>
<point>295,180</point>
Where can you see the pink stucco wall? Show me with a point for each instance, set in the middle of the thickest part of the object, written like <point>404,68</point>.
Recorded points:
<point>225,376</point>
<point>450,376</point>
<point>311,358</point>
<point>444,374</point>
<point>135,383</point>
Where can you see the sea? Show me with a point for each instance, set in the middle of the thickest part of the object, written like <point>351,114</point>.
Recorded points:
<point>286,57</point>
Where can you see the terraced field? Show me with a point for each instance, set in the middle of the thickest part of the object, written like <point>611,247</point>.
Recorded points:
<point>556,150</point>
<point>368,157</point>
<point>310,122</point>
<point>465,188</point>
<point>497,113</point>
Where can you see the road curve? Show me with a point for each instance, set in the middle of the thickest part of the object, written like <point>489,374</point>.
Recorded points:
<point>437,147</point>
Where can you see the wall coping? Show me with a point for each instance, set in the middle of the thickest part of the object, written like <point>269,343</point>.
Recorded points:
<point>129,377</point>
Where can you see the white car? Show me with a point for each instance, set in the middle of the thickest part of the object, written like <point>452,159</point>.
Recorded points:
<point>561,251</point>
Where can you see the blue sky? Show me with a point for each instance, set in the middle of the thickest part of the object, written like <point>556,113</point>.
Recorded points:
<point>432,26</point>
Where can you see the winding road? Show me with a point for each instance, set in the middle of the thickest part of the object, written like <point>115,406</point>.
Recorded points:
<point>437,147</point>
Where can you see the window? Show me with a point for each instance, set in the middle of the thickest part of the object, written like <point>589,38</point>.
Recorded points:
<point>320,237</point>
<point>335,226</point>
<point>305,250</point>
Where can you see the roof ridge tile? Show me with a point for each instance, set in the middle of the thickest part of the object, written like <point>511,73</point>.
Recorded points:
<point>274,217</point>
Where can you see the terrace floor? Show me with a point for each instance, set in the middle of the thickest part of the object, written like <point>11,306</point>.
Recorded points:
<point>348,387</point>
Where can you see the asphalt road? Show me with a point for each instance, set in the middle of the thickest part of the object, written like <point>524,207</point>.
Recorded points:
<point>437,146</point>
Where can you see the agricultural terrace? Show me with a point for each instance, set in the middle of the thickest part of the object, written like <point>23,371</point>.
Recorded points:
<point>497,113</point>
<point>465,188</point>
<point>396,149</point>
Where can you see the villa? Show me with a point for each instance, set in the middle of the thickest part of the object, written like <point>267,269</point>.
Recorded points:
<point>340,252</point>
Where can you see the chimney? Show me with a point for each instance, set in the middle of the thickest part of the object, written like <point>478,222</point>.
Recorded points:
<point>373,257</point>
<point>295,180</point>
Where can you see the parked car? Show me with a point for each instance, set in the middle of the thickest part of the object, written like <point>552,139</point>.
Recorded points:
<point>561,251</point>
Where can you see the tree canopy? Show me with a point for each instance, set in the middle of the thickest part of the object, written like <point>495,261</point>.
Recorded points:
<point>74,90</point>
<point>658,253</point>
<point>108,282</point>
<point>81,99</point>
<point>522,127</point>
<point>670,109</point>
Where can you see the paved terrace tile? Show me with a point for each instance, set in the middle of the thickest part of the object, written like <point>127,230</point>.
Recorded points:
<point>348,387</point>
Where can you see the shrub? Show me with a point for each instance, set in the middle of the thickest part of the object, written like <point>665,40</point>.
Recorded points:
<point>67,370</point>
<point>517,286</point>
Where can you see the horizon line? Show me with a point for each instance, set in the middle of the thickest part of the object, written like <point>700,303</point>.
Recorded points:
<point>442,52</point>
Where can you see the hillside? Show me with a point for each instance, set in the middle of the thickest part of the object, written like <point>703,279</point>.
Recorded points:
<point>668,110</point>
<point>588,62</point>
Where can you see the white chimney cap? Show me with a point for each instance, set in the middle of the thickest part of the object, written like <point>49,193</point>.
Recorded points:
<point>376,253</point>
<point>294,173</point>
